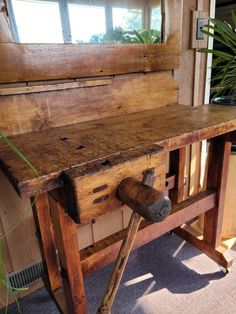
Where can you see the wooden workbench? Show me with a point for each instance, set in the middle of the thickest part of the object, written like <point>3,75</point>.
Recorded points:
<point>77,161</point>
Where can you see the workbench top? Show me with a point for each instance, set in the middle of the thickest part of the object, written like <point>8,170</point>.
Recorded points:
<point>54,150</point>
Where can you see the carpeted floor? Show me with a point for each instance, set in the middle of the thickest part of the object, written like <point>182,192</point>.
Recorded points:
<point>167,276</point>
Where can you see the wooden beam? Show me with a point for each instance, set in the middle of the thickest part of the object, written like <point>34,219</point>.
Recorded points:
<point>66,239</point>
<point>52,87</point>
<point>33,62</point>
<point>217,178</point>
<point>42,217</point>
<point>106,250</point>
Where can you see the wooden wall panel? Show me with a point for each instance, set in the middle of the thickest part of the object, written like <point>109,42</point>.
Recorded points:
<point>126,94</point>
<point>107,224</point>
<point>20,245</point>
<point>35,62</point>
<point>17,220</point>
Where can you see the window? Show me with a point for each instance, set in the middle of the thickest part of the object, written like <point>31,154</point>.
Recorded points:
<point>128,19</point>
<point>85,21</point>
<point>37,21</point>
<point>156,18</point>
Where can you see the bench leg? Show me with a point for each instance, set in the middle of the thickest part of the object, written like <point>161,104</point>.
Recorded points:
<point>217,178</point>
<point>60,252</point>
<point>47,245</point>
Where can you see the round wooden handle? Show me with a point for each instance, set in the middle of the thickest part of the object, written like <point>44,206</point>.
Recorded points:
<point>148,202</point>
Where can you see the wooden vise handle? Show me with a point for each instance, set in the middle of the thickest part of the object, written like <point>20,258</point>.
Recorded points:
<point>146,202</point>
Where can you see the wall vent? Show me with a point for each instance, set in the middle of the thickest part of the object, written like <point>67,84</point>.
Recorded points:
<point>25,277</point>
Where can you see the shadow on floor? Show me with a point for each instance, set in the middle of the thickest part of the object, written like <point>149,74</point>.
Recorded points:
<point>156,269</point>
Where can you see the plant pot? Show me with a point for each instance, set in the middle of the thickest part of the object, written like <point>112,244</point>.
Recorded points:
<point>226,101</point>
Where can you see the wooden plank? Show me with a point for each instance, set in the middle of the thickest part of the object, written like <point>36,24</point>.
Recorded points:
<point>52,87</point>
<point>173,18</point>
<point>107,225</point>
<point>85,235</point>
<point>195,168</point>
<point>105,251</point>
<point>46,240</point>
<point>18,223</point>
<point>184,75</point>
<point>34,112</point>
<point>87,146</point>
<point>33,62</point>
<point>65,231</point>
<point>217,178</point>
<point>229,220</point>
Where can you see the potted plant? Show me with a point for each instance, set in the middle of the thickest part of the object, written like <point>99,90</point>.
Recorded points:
<point>223,90</point>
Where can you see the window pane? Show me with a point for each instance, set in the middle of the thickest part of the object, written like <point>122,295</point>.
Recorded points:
<point>156,18</point>
<point>127,19</point>
<point>86,21</point>
<point>38,21</point>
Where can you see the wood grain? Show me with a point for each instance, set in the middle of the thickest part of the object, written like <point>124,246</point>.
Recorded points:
<point>217,178</point>
<point>88,145</point>
<point>33,62</point>
<point>92,195</point>
<point>34,112</point>
<point>65,231</point>
<point>12,90</point>
<point>46,240</point>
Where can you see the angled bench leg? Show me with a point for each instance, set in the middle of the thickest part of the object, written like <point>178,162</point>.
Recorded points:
<point>60,253</point>
<point>66,239</point>
<point>42,217</point>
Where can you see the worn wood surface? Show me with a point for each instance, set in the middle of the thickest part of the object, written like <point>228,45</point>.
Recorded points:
<point>88,146</point>
<point>29,89</point>
<point>38,111</point>
<point>105,251</point>
<point>33,62</point>
<point>89,196</point>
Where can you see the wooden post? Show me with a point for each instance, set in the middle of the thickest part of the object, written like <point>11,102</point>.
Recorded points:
<point>46,241</point>
<point>217,177</point>
<point>68,251</point>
